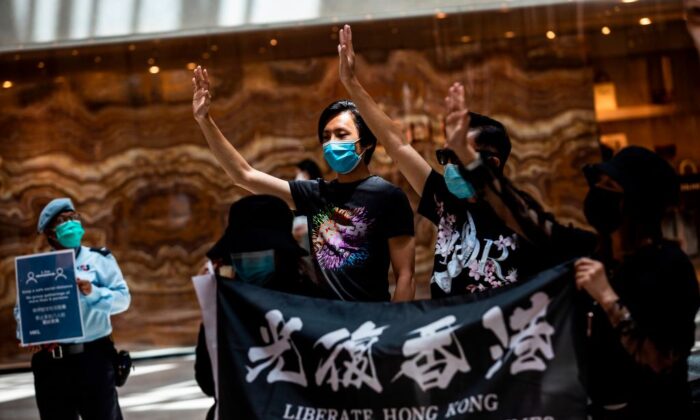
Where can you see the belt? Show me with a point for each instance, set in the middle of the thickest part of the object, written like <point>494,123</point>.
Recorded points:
<point>60,350</point>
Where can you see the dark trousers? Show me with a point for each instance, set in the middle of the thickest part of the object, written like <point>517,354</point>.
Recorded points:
<point>77,384</point>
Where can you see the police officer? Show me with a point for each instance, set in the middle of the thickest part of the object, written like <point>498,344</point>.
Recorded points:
<point>77,377</point>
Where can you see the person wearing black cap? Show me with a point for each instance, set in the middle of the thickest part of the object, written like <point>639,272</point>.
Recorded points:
<point>77,377</point>
<point>259,246</point>
<point>256,247</point>
<point>641,327</point>
<point>475,250</point>
<point>647,292</point>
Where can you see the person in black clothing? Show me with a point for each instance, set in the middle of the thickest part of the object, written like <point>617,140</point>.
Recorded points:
<point>645,292</point>
<point>648,292</point>
<point>358,223</point>
<point>475,249</point>
<point>257,247</point>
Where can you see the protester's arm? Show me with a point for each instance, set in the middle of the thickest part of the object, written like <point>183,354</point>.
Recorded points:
<point>410,162</point>
<point>402,251</point>
<point>398,225</point>
<point>243,175</point>
<point>110,293</point>
<point>590,276</point>
<point>480,175</point>
<point>526,216</point>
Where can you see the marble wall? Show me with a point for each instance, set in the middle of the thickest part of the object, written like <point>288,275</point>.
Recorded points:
<point>122,143</point>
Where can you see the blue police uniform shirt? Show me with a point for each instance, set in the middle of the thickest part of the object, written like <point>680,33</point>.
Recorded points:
<point>110,294</point>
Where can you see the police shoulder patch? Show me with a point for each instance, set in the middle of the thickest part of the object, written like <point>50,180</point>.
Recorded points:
<point>103,251</point>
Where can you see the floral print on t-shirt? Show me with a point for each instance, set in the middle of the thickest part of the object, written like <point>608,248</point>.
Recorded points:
<point>339,237</point>
<point>461,249</point>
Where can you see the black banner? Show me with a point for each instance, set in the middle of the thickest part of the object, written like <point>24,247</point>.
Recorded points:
<point>506,356</point>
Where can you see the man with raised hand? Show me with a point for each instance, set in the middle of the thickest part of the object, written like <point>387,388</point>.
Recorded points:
<point>475,249</point>
<point>358,223</point>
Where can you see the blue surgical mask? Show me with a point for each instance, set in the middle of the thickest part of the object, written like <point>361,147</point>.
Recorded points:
<point>254,267</point>
<point>458,186</point>
<point>341,155</point>
<point>70,233</point>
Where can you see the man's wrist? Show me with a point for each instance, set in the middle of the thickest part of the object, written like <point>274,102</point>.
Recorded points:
<point>205,120</point>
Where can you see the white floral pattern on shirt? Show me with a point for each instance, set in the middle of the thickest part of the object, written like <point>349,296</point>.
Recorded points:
<point>463,250</point>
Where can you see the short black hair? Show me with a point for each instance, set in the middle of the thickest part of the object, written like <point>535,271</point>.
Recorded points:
<point>367,138</point>
<point>492,134</point>
<point>311,168</point>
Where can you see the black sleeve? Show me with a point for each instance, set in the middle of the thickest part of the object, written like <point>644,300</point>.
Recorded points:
<point>435,189</point>
<point>202,365</point>
<point>560,242</point>
<point>303,194</point>
<point>398,221</point>
<point>672,292</point>
<point>655,318</point>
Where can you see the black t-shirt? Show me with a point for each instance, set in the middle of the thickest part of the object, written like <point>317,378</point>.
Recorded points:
<point>474,251</point>
<point>349,228</point>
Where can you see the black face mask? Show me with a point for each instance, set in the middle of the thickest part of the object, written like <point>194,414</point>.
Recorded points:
<point>603,210</point>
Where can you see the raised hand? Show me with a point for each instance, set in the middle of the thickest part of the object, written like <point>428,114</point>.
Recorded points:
<point>201,100</point>
<point>346,54</point>
<point>457,125</point>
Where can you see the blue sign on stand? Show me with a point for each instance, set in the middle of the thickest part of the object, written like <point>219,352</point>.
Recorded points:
<point>47,297</point>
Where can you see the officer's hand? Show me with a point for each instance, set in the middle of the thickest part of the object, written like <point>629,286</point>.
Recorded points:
<point>84,286</point>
